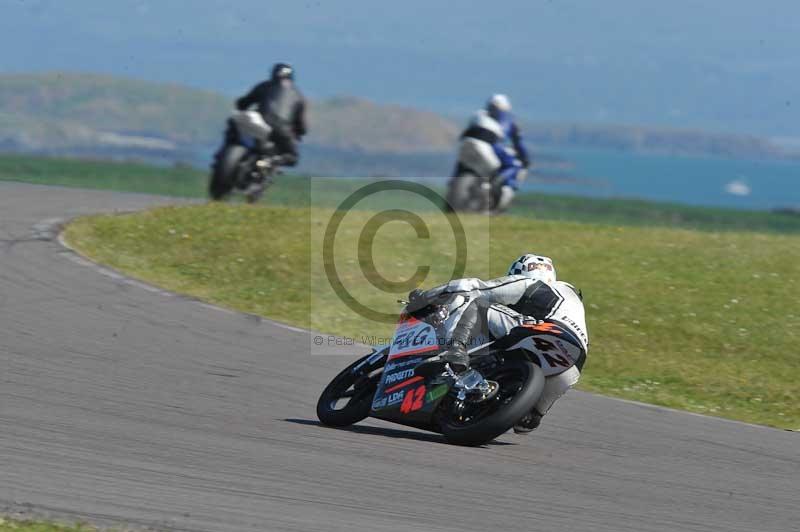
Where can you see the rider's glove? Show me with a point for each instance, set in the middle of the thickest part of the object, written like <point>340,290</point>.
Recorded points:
<point>416,300</point>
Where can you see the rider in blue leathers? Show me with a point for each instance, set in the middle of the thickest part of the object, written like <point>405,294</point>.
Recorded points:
<point>511,162</point>
<point>492,146</point>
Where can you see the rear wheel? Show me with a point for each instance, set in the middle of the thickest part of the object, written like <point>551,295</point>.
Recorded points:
<point>348,397</point>
<point>465,423</point>
<point>224,176</point>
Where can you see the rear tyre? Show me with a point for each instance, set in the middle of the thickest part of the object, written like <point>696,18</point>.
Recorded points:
<point>521,383</point>
<point>355,390</point>
<point>223,177</point>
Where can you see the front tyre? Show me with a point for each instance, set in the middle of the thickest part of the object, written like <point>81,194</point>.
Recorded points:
<point>348,397</point>
<point>224,175</point>
<point>464,193</point>
<point>521,383</point>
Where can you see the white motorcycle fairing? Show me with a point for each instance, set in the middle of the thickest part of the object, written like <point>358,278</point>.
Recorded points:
<point>251,124</point>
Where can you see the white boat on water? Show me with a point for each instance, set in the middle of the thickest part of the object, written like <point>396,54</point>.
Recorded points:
<point>737,187</point>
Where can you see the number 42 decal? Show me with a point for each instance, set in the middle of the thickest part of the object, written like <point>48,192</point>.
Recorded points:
<point>414,400</point>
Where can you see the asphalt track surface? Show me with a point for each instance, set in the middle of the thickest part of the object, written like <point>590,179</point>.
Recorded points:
<point>122,404</point>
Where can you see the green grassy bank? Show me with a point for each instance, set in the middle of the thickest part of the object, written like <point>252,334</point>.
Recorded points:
<point>16,525</point>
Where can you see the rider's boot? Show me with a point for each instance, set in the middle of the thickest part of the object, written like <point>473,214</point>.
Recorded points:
<point>456,357</point>
<point>504,201</point>
<point>285,159</point>
<point>528,423</point>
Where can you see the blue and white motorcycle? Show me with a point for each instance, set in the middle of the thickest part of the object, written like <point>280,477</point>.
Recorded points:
<point>478,185</point>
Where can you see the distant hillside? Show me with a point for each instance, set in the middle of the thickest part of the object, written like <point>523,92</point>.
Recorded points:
<point>356,124</point>
<point>58,111</point>
<point>97,115</point>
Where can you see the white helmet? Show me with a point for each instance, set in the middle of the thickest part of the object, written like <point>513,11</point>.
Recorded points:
<point>499,102</point>
<point>534,267</point>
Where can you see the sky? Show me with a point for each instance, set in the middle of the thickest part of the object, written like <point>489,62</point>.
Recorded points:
<point>720,65</point>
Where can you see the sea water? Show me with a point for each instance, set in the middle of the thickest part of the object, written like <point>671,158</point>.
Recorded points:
<point>710,181</point>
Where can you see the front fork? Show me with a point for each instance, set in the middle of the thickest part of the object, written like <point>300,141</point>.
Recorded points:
<point>487,194</point>
<point>259,180</point>
<point>371,362</point>
<point>466,390</point>
<point>472,386</point>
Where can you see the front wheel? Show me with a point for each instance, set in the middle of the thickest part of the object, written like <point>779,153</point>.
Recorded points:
<point>521,383</point>
<point>224,175</point>
<point>348,397</point>
<point>465,194</point>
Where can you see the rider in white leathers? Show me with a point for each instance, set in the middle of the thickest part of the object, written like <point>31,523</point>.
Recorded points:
<point>490,309</point>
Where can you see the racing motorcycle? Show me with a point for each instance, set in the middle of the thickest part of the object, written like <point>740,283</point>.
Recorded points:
<point>474,191</point>
<point>249,163</point>
<point>505,379</point>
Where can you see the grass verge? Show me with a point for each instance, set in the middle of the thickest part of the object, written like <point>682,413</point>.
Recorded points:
<point>15,525</point>
<point>702,321</point>
<point>295,191</point>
